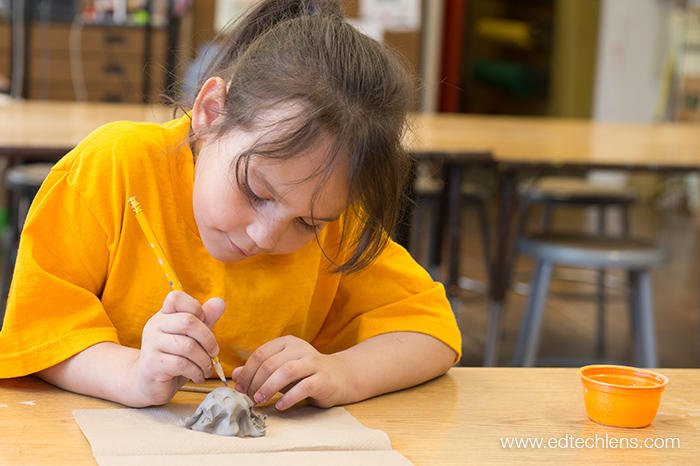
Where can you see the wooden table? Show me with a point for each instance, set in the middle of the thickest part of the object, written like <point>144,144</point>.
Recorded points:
<point>49,129</point>
<point>459,418</point>
<point>542,145</point>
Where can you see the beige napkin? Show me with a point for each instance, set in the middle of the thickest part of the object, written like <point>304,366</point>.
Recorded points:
<point>304,435</point>
<point>271,458</point>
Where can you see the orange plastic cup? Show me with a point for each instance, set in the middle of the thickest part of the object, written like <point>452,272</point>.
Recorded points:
<point>621,396</point>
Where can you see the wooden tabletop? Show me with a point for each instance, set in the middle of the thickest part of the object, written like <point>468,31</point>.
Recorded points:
<point>459,418</point>
<point>42,128</point>
<point>51,128</point>
<point>559,141</point>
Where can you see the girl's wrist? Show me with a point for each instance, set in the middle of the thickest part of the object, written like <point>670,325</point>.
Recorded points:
<point>132,387</point>
<point>353,385</point>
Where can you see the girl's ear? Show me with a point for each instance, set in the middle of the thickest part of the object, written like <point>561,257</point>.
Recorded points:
<point>209,104</point>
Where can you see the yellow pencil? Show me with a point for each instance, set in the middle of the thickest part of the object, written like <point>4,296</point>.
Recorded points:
<point>165,265</point>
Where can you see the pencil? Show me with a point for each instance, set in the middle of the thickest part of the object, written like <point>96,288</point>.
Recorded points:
<point>165,265</point>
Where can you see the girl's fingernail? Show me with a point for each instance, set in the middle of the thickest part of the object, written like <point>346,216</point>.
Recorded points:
<point>235,373</point>
<point>259,397</point>
<point>279,405</point>
<point>239,388</point>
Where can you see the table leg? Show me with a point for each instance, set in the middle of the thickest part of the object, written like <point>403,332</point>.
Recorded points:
<point>499,278</point>
<point>454,203</point>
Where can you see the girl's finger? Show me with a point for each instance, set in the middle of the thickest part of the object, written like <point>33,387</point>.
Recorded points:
<point>179,301</point>
<point>212,310</point>
<point>303,389</point>
<point>172,366</point>
<point>286,375</point>
<point>188,325</point>
<point>260,355</point>
<point>185,347</point>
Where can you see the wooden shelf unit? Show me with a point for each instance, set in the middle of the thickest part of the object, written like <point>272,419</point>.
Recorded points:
<point>119,63</point>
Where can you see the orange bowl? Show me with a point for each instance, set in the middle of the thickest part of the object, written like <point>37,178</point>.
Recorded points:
<point>621,396</point>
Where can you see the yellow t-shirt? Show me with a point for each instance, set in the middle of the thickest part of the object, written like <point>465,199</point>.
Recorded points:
<point>85,273</point>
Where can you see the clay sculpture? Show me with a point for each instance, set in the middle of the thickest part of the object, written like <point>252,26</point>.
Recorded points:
<point>225,411</point>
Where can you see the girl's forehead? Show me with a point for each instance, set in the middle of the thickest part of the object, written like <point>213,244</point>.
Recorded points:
<point>310,167</point>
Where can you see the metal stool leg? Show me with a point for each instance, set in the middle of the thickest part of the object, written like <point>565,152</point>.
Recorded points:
<point>492,335</point>
<point>423,212</point>
<point>625,214</point>
<point>434,248</point>
<point>485,242</point>
<point>547,217</point>
<point>523,211</point>
<point>600,298</point>
<point>633,306</point>
<point>531,326</point>
<point>415,238</point>
<point>645,343</point>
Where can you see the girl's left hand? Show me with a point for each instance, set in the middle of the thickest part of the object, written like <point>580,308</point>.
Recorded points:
<point>291,365</point>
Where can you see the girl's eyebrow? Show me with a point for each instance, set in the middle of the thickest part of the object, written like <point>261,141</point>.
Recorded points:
<point>268,186</point>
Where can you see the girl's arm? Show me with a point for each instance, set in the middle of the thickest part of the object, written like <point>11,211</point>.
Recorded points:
<point>104,370</point>
<point>380,364</point>
<point>176,345</point>
<point>393,361</point>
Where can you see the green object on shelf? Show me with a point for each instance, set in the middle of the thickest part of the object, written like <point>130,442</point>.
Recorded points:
<point>140,17</point>
<point>512,77</point>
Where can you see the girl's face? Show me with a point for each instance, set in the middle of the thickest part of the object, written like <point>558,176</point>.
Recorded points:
<point>272,213</point>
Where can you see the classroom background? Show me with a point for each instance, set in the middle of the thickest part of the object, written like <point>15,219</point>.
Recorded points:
<point>544,63</point>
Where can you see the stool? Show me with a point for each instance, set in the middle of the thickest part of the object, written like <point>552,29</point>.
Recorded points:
<point>594,252</point>
<point>23,182</point>
<point>555,191</point>
<point>427,191</point>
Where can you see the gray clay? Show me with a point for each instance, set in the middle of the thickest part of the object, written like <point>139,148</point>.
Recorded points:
<point>226,411</point>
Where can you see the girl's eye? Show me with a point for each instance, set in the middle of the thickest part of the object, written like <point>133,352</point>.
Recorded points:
<point>252,197</point>
<point>306,226</point>
<point>255,200</point>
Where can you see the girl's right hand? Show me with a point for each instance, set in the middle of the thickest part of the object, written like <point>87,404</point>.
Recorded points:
<point>177,344</point>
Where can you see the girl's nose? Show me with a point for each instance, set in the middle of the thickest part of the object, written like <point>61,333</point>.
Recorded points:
<point>265,233</point>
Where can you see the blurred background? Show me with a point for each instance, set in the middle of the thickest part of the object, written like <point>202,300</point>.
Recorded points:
<point>598,60</point>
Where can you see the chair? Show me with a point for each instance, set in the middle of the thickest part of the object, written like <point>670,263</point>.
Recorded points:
<point>554,191</point>
<point>598,252</point>
<point>22,182</point>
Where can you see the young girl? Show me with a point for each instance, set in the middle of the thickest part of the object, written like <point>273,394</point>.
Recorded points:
<point>272,201</point>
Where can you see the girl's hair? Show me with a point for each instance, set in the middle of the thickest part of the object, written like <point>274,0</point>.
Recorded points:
<point>342,86</point>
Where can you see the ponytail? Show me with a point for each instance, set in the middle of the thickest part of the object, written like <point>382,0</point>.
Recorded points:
<point>259,18</point>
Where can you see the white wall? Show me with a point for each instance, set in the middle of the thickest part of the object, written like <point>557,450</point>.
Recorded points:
<point>633,40</point>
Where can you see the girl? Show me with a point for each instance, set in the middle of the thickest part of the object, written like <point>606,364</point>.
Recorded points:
<point>273,199</point>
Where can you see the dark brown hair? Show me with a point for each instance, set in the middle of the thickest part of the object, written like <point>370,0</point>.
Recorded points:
<point>344,86</point>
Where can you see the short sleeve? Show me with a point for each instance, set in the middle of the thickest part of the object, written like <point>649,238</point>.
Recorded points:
<point>54,309</point>
<point>392,294</point>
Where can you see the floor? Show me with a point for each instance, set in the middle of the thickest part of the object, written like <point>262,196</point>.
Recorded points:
<point>568,335</point>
